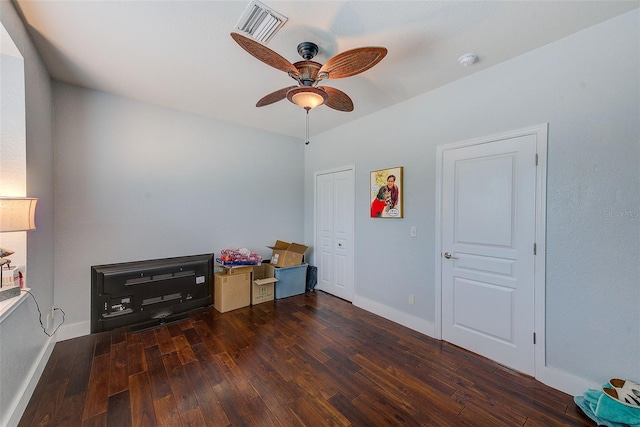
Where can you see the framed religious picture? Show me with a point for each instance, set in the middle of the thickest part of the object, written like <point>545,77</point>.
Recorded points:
<point>386,193</point>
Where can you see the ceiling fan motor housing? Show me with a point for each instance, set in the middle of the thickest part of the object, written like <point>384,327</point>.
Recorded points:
<point>307,50</point>
<point>307,72</point>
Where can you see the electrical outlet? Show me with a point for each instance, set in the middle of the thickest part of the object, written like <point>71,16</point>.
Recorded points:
<point>412,299</point>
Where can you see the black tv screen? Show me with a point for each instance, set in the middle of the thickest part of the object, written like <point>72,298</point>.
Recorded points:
<point>148,293</point>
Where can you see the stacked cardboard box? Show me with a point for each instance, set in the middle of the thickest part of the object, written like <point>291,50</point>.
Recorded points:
<point>235,269</point>
<point>239,286</point>
<point>291,272</point>
<point>262,289</point>
<point>287,254</point>
<point>231,291</point>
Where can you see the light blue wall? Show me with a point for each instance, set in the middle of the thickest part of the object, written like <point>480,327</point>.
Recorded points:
<point>23,345</point>
<point>587,87</point>
<point>135,181</point>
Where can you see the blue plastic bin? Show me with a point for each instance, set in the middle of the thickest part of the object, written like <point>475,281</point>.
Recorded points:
<point>291,280</point>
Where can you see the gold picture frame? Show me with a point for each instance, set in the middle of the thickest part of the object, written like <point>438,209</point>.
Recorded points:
<point>385,198</point>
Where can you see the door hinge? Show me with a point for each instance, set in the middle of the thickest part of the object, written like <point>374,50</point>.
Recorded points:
<point>536,159</point>
<point>534,338</point>
<point>535,249</point>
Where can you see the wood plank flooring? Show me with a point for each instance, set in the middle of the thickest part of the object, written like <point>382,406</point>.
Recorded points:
<point>308,360</point>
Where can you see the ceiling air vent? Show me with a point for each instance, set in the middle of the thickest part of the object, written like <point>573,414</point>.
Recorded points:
<point>260,22</point>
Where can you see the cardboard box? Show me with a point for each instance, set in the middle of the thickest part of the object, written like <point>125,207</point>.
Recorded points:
<point>262,271</point>
<point>231,291</point>
<point>235,269</point>
<point>287,254</point>
<point>262,289</point>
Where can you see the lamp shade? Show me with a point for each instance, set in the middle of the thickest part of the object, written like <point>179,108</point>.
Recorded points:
<point>17,213</point>
<point>307,97</point>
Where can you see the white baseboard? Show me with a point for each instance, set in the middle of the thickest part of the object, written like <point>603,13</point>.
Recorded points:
<point>389,313</point>
<point>555,378</point>
<point>565,382</point>
<point>23,396</point>
<point>73,330</point>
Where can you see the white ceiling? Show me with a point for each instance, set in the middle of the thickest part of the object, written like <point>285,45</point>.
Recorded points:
<point>179,53</point>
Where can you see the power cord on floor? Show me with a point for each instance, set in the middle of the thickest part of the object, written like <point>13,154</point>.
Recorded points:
<point>40,315</point>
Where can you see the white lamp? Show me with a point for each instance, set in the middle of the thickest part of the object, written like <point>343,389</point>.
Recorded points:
<point>16,214</point>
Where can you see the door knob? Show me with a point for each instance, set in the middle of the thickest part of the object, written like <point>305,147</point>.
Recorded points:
<point>448,255</point>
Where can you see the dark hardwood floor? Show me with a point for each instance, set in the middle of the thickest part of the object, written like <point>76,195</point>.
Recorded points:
<point>310,360</point>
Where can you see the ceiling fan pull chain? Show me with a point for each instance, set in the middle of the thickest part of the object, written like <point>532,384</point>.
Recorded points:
<point>307,142</point>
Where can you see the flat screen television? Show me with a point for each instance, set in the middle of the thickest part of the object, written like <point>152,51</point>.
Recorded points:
<point>147,293</point>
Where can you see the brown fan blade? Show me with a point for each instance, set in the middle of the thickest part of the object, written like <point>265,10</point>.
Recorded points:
<point>276,96</point>
<point>264,54</point>
<point>353,62</point>
<point>338,100</point>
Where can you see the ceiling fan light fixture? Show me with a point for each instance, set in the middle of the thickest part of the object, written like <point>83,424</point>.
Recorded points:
<point>307,97</point>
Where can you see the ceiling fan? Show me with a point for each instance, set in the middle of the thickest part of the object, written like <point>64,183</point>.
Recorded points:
<point>307,73</point>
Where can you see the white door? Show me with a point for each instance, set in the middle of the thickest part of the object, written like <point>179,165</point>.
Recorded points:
<point>334,232</point>
<point>488,236</point>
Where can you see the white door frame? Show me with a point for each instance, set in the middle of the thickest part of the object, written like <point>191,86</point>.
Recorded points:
<point>540,132</point>
<point>351,168</point>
